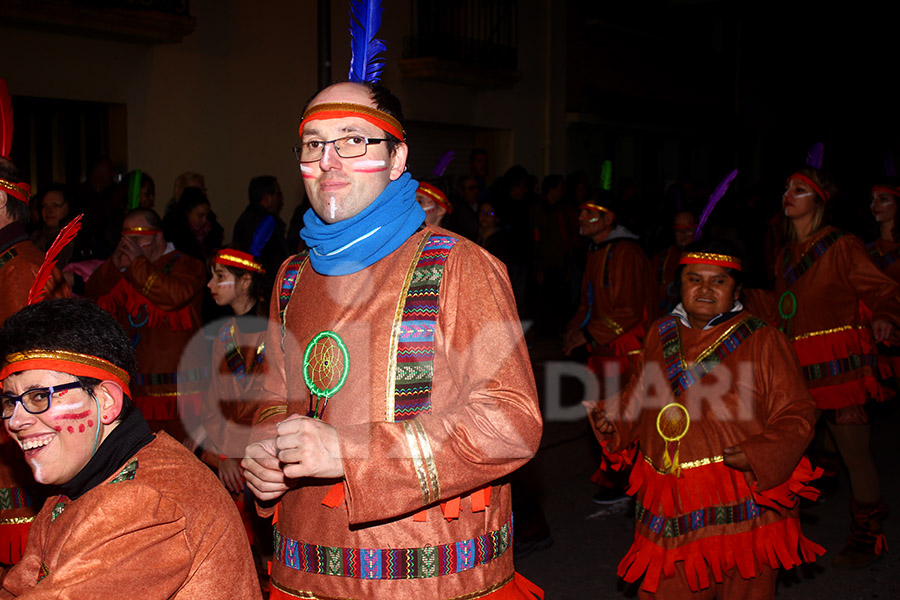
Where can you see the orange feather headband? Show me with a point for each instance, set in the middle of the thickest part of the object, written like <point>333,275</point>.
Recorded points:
<point>340,110</point>
<point>707,258</point>
<point>236,258</point>
<point>64,361</point>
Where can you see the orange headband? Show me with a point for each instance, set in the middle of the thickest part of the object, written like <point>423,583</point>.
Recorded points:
<point>339,110</point>
<point>236,258</point>
<point>65,361</point>
<point>592,206</point>
<point>886,189</point>
<point>707,258</point>
<point>436,195</point>
<point>140,231</point>
<point>811,184</point>
<point>20,191</point>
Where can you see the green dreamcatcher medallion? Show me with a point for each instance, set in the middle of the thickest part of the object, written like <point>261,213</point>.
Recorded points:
<point>326,363</point>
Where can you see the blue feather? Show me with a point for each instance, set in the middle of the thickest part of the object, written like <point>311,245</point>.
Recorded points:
<point>713,200</point>
<point>815,155</point>
<point>443,162</point>
<point>261,235</point>
<point>365,19</point>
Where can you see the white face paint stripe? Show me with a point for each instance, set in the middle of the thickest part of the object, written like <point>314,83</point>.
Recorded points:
<point>368,164</point>
<point>221,283</point>
<point>305,169</point>
<point>331,202</point>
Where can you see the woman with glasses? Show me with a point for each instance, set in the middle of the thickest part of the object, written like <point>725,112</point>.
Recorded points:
<point>128,511</point>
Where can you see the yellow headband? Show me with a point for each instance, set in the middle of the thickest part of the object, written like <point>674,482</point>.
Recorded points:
<point>707,258</point>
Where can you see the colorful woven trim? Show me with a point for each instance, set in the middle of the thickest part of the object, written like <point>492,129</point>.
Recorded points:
<point>415,345</point>
<point>791,273</point>
<point>288,282</point>
<point>839,365</point>
<point>436,195</point>
<point>176,378</point>
<point>400,563</point>
<point>12,498</point>
<point>19,191</point>
<point>140,231</point>
<point>708,258</point>
<point>236,258</point>
<point>339,110</point>
<point>698,519</point>
<point>679,376</point>
<point>66,362</point>
<point>233,356</point>
<point>127,473</point>
<point>822,194</point>
<point>882,261</point>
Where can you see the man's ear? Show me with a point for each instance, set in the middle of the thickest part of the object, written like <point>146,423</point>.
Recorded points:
<point>398,160</point>
<point>111,397</point>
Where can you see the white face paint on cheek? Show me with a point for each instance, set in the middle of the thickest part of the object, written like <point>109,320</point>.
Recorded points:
<point>369,166</point>
<point>305,169</point>
<point>225,283</point>
<point>331,203</point>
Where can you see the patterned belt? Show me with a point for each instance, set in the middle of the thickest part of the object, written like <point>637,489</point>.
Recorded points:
<point>838,366</point>
<point>172,378</point>
<point>713,515</point>
<point>404,563</point>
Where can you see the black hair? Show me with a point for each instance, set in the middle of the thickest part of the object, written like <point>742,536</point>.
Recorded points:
<point>260,186</point>
<point>73,324</point>
<point>385,101</point>
<point>713,247</point>
<point>551,182</point>
<point>191,198</point>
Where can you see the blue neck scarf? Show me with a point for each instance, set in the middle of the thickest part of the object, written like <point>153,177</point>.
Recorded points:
<point>352,245</point>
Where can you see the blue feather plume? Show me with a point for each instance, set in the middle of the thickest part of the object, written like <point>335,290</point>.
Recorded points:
<point>815,155</point>
<point>261,235</point>
<point>443,162</point>
<point>365,19</point>
<point>713,200</point>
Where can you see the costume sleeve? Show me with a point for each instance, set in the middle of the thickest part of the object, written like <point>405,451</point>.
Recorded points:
<point>167,291</point>
<point>877,291</point>
<point>783,406</point>
<point>136,543</point>
<point>102,281</point>
<point>488,428</point>
<point>624,305</point>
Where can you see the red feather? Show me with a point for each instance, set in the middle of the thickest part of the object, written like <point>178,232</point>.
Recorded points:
<point>62,240</point>
<point>6,120</point>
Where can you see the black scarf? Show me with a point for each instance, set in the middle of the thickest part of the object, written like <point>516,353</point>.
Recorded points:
<point>123,442</point>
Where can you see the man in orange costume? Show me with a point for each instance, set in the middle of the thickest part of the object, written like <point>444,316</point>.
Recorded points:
<point>393,486</point>
<point>154,292</point>
<point>723,418</point>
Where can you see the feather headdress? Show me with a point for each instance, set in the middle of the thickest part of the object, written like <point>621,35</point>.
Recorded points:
<point>606,175</point>
<point>443,162</point>
<point>815,155</point>
<point>66,235</point>
<point>6,120</point>
<point>365,19</point>
<point>713,200</point>
<point>134,190</point>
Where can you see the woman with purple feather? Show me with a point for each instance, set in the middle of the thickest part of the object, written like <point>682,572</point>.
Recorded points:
<point>835,305</point>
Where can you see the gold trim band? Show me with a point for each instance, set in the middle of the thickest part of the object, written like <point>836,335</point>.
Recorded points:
<point>700,462</point>
<point>804,336</point>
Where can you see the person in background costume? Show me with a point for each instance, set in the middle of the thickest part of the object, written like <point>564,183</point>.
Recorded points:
<point>665,264</point>
<point>404,393</point>
<point>154,292</point>
<point>131,510</point>
<point>835,305</point>
<point>885,252</point>
<point>432,197</point>
<point>20,261</point>
<point>723,417</point>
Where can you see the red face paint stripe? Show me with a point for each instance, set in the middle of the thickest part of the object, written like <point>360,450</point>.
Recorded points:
<point>73,416</point>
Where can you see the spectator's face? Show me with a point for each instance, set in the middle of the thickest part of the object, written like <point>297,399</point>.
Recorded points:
<point>198,216</point>
<point>479,165</point>
<point>487,218</point>
<point>54,209</point>
<point>148,195</point>
<point>470,191</point>
<point>58,442</point>
<point>706,291</point>
<point>340,188</point>
<point>684,227</point>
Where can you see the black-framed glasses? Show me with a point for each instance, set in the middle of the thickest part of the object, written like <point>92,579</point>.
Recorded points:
<point>351,146</point>
<point>34,401</point>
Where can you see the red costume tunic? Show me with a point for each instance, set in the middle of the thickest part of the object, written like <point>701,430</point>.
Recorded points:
<point>389,538</point>
<point>838,291</point>
<point>158,304</point>
<point>747,390</point>
<point>20,261</point>
<point>162,527</point>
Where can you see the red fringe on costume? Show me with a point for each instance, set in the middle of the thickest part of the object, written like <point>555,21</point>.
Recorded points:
<point>840,344</point>
<point>13,537</point>
<point>124,294</point>
<point>780,543</point>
